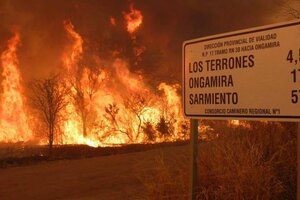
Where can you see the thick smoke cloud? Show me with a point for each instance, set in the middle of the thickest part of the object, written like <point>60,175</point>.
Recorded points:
<point>166,25</point>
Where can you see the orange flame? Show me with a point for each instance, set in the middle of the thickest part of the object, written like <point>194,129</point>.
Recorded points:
<point>112,21</point>
<point>133,19</point>
<point>117,104</point>
<point>72,133</point>
<point>173,106</point>
<point>74,53</point>
<point>14,124</point>
<point>121,106</point>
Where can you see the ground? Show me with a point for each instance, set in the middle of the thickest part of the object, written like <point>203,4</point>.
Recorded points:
<point>111,177</point>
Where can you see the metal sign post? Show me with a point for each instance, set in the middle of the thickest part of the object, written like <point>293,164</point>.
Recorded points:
<point>193,158</point>
<point>298,162</point>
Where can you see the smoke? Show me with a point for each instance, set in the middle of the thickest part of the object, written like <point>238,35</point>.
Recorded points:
<point>169,23</point>
<point>166,24</point>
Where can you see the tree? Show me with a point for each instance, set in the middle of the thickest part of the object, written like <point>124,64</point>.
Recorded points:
<point>85,83</point>
<point>111,114</point>
<point>48,98</point>
<point>164,127</point>
<point>137,104</point>
<point>129,119</point>
<point>149,131</point>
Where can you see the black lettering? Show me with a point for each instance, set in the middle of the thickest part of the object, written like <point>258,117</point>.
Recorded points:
<point>245,62</point>
<point>200,66</point>
<point>214,98</point>
<point>238,62</point>
<point>191,99</point>
<point>235,98</point>
<point>251,61</point>
<point>230,63</point>
<point>190,68</point>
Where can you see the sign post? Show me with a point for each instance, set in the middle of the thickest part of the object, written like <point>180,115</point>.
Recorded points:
<point>298,162</point>
<point>252,74</point>
<point>193,158</point>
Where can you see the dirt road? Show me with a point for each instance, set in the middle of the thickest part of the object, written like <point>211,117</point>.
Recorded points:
<point>108,177</point>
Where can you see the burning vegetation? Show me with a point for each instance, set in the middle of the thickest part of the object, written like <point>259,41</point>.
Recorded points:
<point>14,125</point>
<point>97,105</point>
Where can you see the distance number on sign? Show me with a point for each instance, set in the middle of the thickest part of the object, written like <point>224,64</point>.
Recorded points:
<point>295,94</point>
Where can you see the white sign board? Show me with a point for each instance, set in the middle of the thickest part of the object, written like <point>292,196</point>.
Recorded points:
<point>248,74</point>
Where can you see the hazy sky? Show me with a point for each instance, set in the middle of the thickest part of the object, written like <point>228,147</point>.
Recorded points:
<point>166,25</point>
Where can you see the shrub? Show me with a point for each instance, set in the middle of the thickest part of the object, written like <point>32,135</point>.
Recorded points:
<point>149,132</point>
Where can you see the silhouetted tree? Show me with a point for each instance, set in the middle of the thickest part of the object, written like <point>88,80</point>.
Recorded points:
<point>48,98</point>
<point>111,113</point>
<point>137,104</point>
<point>164,127</point>
<point>149,131</point>
<point>84,89</point>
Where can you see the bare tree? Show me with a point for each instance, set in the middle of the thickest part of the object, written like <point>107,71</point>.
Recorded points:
<point>149,131</point>
<point>132,123</point>
<point>85,89</point>
<point>137,104</point>
<point>48,98</point>
<point>111,114</point>
<point>164,127</point>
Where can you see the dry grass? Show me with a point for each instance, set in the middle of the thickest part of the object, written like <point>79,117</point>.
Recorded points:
<point>255,163</point>
<point>167,179</point>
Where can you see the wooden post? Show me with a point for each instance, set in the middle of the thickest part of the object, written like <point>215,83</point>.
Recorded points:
<point>193,158</point>
<point>298,161</point>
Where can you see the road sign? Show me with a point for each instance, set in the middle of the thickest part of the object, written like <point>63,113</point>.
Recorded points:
<point>247,74</point>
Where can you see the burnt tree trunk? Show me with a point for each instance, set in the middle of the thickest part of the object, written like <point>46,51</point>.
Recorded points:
<point>51,137</point>
<point>84,123</point>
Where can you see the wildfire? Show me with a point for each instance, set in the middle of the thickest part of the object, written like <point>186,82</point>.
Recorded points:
<point>14,124</point>
<point>107,105</point>
<point>133,19</point>
<point>73,127</point>
<point>74,53</point>
<point>173,104</point>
